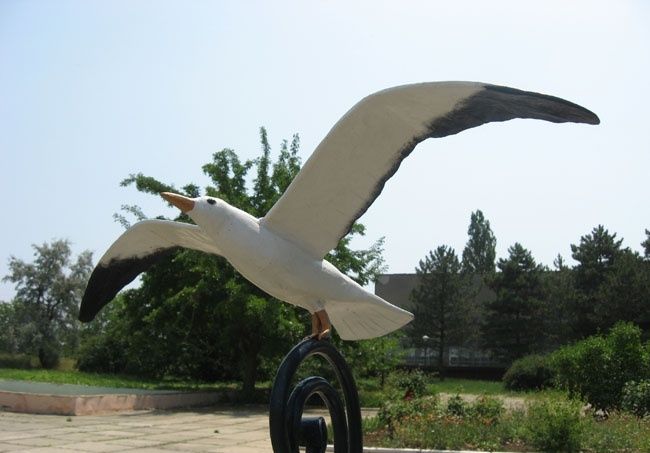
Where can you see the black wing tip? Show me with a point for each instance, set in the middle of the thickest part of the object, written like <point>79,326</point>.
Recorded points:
<point>561,110</point>
<point>84,316</point>
<point>88,310</point>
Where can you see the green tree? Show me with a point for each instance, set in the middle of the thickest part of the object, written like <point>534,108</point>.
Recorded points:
<point>8,327</point>
<point>437,300</point>
<point>610,281</point>
<point>48,292</point>
<point>559,290</point>
<point>625,293</point>
<point>208,321</point>
<point>478,265</point>
<point>597,368</point>
<point>514,322</point>
<point>646,244</point>
<point>480,251</point>
<point>376,357</point>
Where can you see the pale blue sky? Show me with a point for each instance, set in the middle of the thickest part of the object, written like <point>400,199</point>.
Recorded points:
<point>91,91</point>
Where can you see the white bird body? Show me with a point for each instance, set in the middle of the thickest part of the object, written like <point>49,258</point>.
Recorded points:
<point>283,252</point>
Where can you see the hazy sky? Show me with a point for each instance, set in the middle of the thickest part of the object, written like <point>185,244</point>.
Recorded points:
<point>91,91</point>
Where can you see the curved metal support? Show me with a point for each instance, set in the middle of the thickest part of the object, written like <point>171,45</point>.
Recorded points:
<point>288,427</point>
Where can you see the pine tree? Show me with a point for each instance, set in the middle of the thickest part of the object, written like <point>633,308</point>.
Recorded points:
<point>596,255</point>
<point>514,321</point>
<point>437,300</point>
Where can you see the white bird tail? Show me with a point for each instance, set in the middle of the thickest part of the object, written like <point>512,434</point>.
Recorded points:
<point>363,319</point>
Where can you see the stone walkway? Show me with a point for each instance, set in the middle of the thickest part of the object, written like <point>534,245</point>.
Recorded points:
<point>240,430</point>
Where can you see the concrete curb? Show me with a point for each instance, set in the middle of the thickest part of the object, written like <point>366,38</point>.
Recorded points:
<point>412,450</point>
<point>34,403</point>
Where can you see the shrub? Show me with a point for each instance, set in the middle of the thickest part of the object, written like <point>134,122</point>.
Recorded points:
<point>636,398</point>
<point>457,406</point>
<point>410,384</point>
<point>102,354</point>
<point>48,355</point>
<point>595,369</point>
<point>392,413</point>
<point>488,408</point>
<point>15,361</point>
<point>555,425</point>
<point>485,408</point>
<point>532,372</point>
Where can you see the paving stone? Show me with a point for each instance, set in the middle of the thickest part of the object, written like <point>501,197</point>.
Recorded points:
<point>34,442</point>
<point>49,450</point>
<point>243,431</point>
<point>97,447</point>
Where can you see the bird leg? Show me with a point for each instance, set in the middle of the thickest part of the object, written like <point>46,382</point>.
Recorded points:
<point>320,325</point>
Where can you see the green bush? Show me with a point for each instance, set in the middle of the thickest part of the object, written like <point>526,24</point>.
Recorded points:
<point>555,425</point>
<point>410,384</point>
<point>532,372</point>
<point>485,408</point>
<point>48,355</point>
<point>457,406</point>
<point>20,361</point>
<point>636,398</point>
<point>102,354</point>
<point>392,413</point>
<point>597,368</point>
<point>488,408</point>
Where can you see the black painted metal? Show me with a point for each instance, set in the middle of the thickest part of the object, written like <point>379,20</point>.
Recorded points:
<point>288,427</point>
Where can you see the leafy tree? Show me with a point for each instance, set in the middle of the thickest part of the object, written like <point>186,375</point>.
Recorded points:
<point>514,321</point>
<point>478,265</point>
<point>8,339</point>
<point>437,300</point>
<point>646,244</point>
<point>48,292</point>
<point>194,315</point>
<point>375,357</point>
<point>480,251</point>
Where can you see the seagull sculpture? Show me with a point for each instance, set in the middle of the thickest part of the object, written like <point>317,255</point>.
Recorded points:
<point>282,253</point>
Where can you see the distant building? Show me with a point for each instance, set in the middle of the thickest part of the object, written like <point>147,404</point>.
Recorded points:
<point>464,353</point>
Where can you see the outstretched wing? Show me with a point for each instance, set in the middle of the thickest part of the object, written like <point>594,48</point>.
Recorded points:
<point>349,168</point>
<point>136,250</point>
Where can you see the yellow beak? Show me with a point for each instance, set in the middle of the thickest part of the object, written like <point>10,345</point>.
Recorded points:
<point>183,203</point>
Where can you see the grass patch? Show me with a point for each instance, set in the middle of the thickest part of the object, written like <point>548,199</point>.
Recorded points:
<point>469,386</point>
<point>372,394</point>
<point>110,380</point>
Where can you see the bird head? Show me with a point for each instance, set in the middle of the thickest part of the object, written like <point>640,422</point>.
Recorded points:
<point>203,210</point>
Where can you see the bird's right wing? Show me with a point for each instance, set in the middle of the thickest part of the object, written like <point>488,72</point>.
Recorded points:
<point>349,168</point>
<point>136,250</point>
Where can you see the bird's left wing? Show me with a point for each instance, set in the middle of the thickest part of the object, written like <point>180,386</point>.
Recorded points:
<point>349,168</point>
<point>137,249</point>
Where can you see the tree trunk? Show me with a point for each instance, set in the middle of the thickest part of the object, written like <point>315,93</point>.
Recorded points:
<point>441,360</point>
<point>249,374</point>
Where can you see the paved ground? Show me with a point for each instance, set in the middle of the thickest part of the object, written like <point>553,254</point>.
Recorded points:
<point>215,429</point>
<point>240,430</point>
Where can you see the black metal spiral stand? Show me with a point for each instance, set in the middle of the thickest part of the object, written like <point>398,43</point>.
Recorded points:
<point>289,429</point>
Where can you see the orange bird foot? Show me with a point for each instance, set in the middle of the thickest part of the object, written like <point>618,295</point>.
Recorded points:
<point>320,325</point>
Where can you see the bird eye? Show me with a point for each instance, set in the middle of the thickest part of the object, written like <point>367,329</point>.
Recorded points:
<point>212,201</point>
